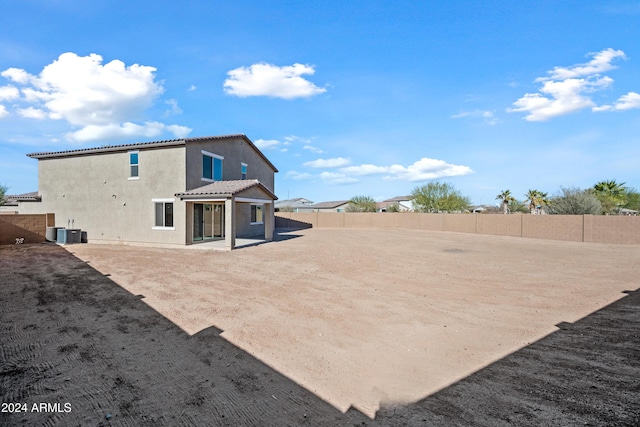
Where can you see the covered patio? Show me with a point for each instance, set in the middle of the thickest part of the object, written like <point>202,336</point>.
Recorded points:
<point>229,212</point>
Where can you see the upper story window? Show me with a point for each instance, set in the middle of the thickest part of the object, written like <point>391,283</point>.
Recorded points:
<point>244,170</point>
<point>133,165</point>
<point>211,166</point>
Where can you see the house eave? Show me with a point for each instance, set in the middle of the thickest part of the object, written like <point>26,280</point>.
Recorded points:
<point>107,149</point>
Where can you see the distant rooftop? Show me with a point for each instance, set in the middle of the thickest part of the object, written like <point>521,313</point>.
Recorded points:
<point>328,205</point>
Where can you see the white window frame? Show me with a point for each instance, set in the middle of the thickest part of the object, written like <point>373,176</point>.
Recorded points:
<point>163,201</point>
<point>129,153</point>
<point>257,205</point>
<point>213,170</point>
<point>244,168</point>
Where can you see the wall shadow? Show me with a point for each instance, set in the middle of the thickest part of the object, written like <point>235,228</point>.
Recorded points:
<point>282,235</point>
<point>291,224</point>
<point>69,334</point>
<point>587,373</point>
<point>10,232</point>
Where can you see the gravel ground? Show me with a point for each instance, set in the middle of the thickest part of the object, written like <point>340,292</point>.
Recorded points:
<point>322,327</point>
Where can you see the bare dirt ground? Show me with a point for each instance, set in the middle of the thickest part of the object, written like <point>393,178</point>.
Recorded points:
<point>323,327</point>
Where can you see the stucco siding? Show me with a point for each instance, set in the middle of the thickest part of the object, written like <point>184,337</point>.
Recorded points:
<point>96,193</point>
<point>243,221</point>
<point>235,152</point>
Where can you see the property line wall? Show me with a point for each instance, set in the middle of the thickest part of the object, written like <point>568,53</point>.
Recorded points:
<point>572,228</point>
<point>31,228</point>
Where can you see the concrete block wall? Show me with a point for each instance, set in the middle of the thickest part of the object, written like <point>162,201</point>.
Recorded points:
<point>574,228</point>
<point>500,225</point>
<point>31,228</point>
<point>553,227</point>
<point>612,229</point>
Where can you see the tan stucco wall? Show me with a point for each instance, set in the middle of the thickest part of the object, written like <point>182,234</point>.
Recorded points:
<point>575,228</point>
<point>96,193</point>
<point>235,152</point>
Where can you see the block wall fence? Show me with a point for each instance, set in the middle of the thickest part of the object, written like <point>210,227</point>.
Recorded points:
<point>31,228</point>
<point>572,228</point>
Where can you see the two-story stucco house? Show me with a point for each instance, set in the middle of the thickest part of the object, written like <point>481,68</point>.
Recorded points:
<point>175,192</point>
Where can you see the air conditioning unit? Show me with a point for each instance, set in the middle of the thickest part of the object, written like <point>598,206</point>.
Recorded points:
<point>69,235</point>
<point>52,234</point>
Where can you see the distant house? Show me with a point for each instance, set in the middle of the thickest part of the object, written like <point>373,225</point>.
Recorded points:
<point>384,206</point>
<point>302,200</point>
<point>405,203</point>
<point>180,192</point>
<point>11,202</point>
<point>335,206</point>
<point>627,212</point>
<point>293,205</point>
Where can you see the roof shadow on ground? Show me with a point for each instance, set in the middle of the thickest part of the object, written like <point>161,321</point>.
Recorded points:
<point>69,334</point>
<point>282,235</point>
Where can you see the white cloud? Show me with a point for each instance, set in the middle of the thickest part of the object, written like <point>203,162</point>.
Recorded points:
<point>173,108</point>
<point>178,131</point>
<point>313,149</point>
<point>487,117</point>
<point>600,63</point>
<point>99,99</point>
<point>17,75</point>
<point>566,89</point>
<point>267,144</point>
<point>625,102</point>
<point>366,169</point>
<point>426,168</point>
<point>125,130</point>
<point>9,93</point>
<point>628,101</point>
<point>299,175</point>
<point>328,178</point>
<point>421,170</point>
<point>334,178</point>
<point>270,80</point>
<point>328,163</point>
<point>3,111</point>
<point>33,113</point>
<point>192,88</point>
<point>293,138</point>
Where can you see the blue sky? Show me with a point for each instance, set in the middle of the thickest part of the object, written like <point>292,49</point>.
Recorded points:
<point>345,97</point>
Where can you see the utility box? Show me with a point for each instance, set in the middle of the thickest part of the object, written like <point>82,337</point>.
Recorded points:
<point>52,234</point>
<point>69,235</point>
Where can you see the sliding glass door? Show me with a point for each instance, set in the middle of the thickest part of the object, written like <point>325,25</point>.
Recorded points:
<point>208,221</point>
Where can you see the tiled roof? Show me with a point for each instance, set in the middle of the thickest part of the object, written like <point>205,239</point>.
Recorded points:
<point>225,188</point>
<point>28,197</point>
<point>328,205</point>
<point>291,203</point>
<point>399,199</point>
<point>143,145</point>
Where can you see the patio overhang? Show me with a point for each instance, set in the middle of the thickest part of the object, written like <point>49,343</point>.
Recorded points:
<point>230,193</point>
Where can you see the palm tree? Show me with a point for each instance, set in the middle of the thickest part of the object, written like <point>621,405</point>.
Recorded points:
<point>506,197</point>
<point>611,195</point>
<point>3,193</point>
<point>536,199</point>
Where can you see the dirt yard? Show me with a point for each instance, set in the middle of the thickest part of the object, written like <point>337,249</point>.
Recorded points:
<point>323,327</point>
